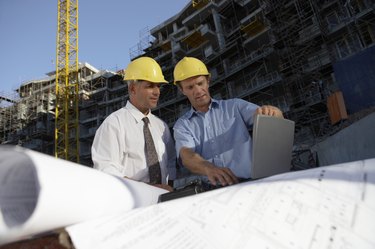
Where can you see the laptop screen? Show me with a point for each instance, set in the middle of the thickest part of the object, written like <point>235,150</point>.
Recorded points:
<point>272,146</point>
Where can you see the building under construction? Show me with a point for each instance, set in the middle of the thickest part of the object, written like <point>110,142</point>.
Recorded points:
<point>314,59</point>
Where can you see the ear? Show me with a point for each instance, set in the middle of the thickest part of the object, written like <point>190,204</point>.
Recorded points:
<point>131,88</point>
<point>180,89</point>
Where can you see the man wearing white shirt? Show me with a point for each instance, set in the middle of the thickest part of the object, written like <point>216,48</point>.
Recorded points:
<point>119,143</point>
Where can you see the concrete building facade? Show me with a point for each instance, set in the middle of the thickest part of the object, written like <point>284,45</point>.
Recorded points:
<point>297,55</point>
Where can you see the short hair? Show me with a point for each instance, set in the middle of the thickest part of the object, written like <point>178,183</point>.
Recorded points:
<point>128,82</point>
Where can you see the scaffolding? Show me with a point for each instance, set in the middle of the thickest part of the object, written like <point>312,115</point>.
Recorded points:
<point>308,36</point>
<point>268,52</point>
<point>145,39</point>
<point>280,53</point>
<point>9,123</point>
<point>105,92</point>
<point>28,120</point>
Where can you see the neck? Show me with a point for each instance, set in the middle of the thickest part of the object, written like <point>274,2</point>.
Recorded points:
<point>203,108</point>
<point>145,111</point>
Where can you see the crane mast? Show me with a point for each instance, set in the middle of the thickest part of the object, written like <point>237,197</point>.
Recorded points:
<point>67,82</point>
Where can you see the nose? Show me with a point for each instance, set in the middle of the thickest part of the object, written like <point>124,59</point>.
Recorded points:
<point>156,90</point>
<point>197,89</point>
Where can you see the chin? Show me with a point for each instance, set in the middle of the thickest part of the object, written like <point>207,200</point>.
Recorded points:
<point>203,101</point>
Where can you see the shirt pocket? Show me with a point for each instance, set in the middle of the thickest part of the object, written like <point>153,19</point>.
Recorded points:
<point>233,130</point>
<point>226,130</point>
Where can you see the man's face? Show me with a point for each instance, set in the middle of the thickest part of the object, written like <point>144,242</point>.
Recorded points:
<point>145,95</point>
<point>196,90</point>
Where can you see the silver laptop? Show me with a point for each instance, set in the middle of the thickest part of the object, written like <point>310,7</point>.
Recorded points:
<point>272,146</point>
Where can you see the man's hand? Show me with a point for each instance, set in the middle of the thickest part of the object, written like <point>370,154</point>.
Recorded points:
<point>269,110</point>
<point>224,176</point>
<point>198,165</point>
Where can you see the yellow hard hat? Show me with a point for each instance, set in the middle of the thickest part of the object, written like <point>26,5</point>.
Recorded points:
<point>189,67</point>
<point>144,68</point>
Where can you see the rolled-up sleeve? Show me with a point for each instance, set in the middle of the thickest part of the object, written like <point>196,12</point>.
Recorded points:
<point>247,111</point>
<point>183,136</point>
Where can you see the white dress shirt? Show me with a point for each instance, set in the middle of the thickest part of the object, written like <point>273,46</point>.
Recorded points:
<point>119,145</point>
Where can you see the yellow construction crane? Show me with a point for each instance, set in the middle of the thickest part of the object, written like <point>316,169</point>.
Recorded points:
<point>67,82</point>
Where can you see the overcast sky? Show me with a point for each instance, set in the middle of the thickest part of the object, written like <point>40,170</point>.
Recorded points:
<point>107,30</point>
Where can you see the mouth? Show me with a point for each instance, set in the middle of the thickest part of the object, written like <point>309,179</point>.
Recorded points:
<point>200,97</point>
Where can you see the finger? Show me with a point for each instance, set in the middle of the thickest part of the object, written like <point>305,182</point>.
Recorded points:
<point>265,110</point>
<point>262,110</point>
<point>219,177</point>
<point>231,178</point>
<point>276,112</point>
<point>212,179</point>
<point>228,179</point>
<point>258,110</point>
<point>269,110</point>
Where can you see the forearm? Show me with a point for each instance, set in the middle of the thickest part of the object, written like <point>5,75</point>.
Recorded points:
<point>194,162</point>
<point>198,165</point>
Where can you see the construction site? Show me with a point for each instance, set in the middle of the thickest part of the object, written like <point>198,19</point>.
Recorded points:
<point>312,59</point>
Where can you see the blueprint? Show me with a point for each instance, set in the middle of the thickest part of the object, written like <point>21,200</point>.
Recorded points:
<point>327,207</point>
<point>39,193</point>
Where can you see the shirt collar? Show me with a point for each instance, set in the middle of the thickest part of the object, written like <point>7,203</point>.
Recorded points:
<point>214,103</point>
<point>137,114</point>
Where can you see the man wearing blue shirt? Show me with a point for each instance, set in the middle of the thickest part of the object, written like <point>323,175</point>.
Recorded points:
<point>212,138</point>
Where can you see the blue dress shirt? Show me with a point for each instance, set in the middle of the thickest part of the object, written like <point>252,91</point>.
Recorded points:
<point>220,135</point>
